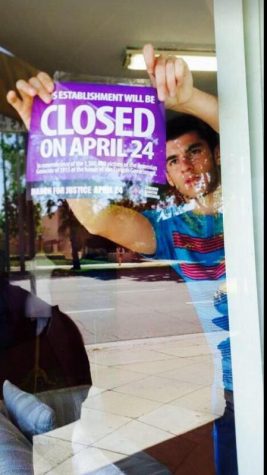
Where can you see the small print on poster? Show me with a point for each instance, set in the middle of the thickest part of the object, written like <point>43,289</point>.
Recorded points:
<point>97,140</point>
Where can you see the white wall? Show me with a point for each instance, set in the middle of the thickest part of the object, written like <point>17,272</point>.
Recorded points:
<point>237,27</point>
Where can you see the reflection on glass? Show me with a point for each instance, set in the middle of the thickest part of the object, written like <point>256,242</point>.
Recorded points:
<point>187,229</point>
<point>42,353</point>
<point>136,270</point>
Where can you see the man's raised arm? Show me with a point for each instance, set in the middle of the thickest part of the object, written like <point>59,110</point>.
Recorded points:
<point>121,225</point>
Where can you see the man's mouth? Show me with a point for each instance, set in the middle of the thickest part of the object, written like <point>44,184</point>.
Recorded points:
<point>191,180</point>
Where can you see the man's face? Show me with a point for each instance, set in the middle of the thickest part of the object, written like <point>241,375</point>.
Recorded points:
<point>191,166</point>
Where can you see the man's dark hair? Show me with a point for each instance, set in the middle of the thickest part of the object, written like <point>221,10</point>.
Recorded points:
<point>184,123</point>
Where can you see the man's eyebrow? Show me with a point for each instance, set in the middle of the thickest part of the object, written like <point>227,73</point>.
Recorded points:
<point>193,145</point>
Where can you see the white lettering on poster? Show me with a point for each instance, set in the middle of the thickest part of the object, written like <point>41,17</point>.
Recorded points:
<point>87,131</point>
<point>84,117</point>
<point>100,147</point>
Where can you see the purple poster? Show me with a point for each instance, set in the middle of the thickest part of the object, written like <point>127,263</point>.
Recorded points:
<point>96,139</point>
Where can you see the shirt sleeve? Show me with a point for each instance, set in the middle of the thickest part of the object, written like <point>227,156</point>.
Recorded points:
<point>162,233</point>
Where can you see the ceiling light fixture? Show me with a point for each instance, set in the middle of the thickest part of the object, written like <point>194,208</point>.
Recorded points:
<point>196,60</point>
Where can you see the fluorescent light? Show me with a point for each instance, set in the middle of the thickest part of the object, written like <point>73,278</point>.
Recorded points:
<point>197,61</point>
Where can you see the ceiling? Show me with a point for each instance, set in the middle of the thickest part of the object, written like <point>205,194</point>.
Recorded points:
<point>90,36</point>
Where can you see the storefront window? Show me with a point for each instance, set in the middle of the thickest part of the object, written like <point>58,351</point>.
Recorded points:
<point>114,282</point>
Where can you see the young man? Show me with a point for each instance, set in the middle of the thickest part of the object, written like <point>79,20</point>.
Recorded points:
<point>191,235</point>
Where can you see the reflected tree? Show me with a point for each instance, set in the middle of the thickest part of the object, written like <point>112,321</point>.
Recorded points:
<point>19,218</point>
<point>69,228</point>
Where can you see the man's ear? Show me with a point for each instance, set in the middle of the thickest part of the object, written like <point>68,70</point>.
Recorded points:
<point>217,155</point>
<point>169,180</point>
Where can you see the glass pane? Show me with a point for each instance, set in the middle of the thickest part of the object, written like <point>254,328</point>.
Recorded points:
<point>114,306</point>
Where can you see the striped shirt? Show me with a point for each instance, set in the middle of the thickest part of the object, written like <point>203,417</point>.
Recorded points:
<point>195,245</point>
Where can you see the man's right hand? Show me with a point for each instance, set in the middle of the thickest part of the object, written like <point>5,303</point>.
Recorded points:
<point>41,85</point>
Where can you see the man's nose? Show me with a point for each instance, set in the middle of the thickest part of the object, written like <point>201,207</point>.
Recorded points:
<point>185,164</point>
